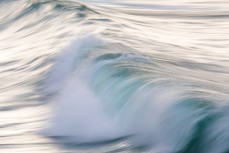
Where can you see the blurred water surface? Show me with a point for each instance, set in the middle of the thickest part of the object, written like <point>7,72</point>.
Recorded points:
<point>167,48</point>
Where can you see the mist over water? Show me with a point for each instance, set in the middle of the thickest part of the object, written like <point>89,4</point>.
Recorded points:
<point>114,76</point>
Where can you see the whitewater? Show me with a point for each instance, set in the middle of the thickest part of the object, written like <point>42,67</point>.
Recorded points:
<point>114,76</point>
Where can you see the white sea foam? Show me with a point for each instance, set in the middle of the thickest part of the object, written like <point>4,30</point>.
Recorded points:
<point>64,62</point>
<point>77,111</point>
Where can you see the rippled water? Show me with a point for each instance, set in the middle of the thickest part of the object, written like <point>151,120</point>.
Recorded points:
<point>114,76</point>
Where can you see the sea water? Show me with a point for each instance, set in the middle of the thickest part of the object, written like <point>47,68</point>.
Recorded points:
<point>114,76</point>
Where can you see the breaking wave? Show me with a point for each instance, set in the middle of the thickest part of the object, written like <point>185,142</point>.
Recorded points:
<point>102,94</point>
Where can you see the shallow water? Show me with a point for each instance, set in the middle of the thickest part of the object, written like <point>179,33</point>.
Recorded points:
<point>114,76</point>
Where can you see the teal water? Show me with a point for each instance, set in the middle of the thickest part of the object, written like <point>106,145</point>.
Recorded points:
<point>114,76</point>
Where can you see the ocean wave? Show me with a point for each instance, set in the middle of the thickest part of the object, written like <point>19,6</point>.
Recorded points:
<point>101,96</point>
<point>150,74</point>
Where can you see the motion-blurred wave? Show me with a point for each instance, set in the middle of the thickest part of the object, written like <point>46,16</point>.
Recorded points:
<point>114,76</point>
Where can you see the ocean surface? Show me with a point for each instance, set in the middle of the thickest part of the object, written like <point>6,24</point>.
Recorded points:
<point>114,76</point>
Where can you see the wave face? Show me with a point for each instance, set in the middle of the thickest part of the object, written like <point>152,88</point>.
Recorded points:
<point>114,76</point>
